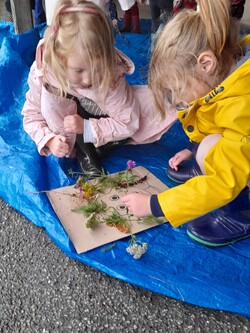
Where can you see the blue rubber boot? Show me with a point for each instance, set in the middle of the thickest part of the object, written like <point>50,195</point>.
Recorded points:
<point>225,226</point>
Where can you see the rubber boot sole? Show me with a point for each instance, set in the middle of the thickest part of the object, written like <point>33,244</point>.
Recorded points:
<point>201,241</point>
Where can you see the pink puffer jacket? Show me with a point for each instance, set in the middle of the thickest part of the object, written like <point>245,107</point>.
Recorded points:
<point>130,111</point>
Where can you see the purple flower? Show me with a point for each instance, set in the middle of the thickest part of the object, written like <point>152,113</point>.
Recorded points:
<point>130,164</point>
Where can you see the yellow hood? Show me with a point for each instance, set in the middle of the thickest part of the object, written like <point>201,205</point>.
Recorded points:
<point>220,107</point>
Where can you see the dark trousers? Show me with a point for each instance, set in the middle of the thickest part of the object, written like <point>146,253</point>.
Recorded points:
<point>160,10</point>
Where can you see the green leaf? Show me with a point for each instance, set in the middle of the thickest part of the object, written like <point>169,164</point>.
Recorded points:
<point>107,248</point>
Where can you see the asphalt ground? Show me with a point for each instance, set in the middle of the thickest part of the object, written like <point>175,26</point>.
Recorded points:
<point>42,290</point>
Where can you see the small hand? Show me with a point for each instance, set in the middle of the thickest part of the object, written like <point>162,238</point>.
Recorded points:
<point>138,204</point>
<point>179,157</point>
<point>73,124</point>
<point>58,146</point>
<point>114,23</point>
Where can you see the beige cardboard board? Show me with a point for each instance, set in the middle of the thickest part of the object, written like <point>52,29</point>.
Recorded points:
<point>64,199</point>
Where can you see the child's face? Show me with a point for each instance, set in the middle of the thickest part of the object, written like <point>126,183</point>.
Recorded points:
<point>79,72</point>
<point>194,89</point>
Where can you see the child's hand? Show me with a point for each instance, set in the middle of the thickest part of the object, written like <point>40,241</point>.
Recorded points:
<point>114,23</point>
<point>73,124</point>
<point>181,156</point>
<point>58,146</point>
<point>138,204</point>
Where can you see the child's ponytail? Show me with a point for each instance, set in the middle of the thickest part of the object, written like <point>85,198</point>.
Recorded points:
<point>216,19</point>
<point>180,43</point>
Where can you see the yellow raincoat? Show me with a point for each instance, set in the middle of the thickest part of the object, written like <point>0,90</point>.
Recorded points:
<point>225,110</point>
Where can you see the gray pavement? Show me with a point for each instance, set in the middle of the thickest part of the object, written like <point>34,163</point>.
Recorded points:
<point>42,290</point>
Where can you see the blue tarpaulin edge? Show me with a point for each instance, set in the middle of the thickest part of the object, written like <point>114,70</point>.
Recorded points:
<point>174,265</point>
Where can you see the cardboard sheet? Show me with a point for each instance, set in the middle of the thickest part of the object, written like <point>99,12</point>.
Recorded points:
<point>64,200</point>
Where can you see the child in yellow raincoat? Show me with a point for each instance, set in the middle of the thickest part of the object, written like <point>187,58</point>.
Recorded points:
<point>193,69</point>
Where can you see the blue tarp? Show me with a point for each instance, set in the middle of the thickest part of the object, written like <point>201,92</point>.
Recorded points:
<point>174,265</point>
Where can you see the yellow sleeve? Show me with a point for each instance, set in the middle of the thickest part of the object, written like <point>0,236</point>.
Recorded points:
<point>227,168</point>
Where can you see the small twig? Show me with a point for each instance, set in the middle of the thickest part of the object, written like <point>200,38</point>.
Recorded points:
<point>107,248</point>
<point>47,191</point>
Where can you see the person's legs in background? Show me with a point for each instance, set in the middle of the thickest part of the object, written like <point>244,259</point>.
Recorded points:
<point>131,17</point>
<point>135,19</point>
<point>127,20</point>
<point>39,12</point>
<point>160,11</point>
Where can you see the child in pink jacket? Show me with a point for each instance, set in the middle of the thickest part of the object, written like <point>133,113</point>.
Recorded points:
<point>79,103</point>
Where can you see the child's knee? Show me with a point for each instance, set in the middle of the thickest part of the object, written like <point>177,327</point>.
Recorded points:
<point>206,144</point>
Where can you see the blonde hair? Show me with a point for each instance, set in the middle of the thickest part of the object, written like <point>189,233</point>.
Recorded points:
<point>180,43</point>
<point>80,26</point>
